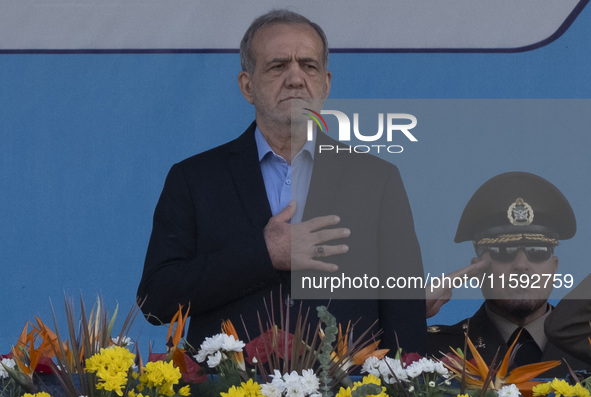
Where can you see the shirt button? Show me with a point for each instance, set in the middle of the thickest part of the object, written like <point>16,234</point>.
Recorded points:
<point>288,181</point>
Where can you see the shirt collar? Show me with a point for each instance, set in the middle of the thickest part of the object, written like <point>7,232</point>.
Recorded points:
<point>264,148</point>
<point>535,328</point>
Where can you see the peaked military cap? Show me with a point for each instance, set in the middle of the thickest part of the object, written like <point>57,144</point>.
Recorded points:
<point>516,207</point>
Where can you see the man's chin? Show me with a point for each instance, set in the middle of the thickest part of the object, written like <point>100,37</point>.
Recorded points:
<point>516,307</point>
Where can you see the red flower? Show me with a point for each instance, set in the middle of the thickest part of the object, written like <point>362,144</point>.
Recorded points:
<point>409,358</point>
<point>274,341</point>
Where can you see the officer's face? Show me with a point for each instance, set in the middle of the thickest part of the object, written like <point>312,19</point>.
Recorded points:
<point>519,286</point>
<point>288,66</point>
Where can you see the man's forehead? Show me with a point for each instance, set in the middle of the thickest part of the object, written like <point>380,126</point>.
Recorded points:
<point>278,36</point>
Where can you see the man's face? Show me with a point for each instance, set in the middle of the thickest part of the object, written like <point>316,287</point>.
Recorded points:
<point>527,280</point>
<point>288,66</point>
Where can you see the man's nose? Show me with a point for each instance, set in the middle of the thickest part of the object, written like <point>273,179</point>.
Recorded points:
<point>521,263</point>
<point>295,77</point>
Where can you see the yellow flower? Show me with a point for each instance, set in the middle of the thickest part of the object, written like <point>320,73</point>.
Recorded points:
<point>367,380</point>
<point>561,387</point>
<point>251,388</point>
<point>162,376</point>
<point>185,391</point>
<point>542,389</point>
<point>463,395</point>
<point>234,392</point>
<point>40,394</point>
<point>344,392</point>
<point>580,391</point>
<point>111,366</point>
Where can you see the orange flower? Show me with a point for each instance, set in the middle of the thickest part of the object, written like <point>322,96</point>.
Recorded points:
<point>228,329</point>
<point>176,330</point>
<point>480,376</point>
<point>360,355</point>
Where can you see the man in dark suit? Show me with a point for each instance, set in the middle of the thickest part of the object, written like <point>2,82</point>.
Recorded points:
<point>514,221</point>
<point>227,230</point>
<point>569,326</point>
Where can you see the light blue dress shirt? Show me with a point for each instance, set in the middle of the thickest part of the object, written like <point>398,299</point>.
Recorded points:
<point>283,181</point>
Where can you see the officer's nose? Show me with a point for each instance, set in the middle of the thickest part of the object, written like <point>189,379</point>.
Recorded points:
<point>521,264</point>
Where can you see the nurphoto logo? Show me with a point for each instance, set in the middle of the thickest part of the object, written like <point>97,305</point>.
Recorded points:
<point>397,125</point>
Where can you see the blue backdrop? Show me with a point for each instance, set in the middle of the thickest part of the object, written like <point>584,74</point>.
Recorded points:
<point>86,141</point>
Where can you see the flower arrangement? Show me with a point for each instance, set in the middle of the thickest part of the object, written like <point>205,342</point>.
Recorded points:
<point>478,375</point>
<point>304,361</point>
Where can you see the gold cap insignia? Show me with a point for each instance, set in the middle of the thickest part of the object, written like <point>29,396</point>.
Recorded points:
<point>520,213</point>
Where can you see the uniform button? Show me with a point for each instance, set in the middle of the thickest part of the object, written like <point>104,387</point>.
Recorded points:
<point>288,181</point>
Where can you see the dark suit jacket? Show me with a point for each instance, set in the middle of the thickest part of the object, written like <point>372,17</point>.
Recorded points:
<point>487,339</point>
<point>207,245</point>
<point>568,325</point>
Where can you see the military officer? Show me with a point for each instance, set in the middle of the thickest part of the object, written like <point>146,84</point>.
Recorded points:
<point>514,221</point>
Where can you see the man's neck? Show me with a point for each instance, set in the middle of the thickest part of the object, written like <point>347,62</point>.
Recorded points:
<point>282,141</point>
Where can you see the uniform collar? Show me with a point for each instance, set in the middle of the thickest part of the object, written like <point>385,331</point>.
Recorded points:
<point>535,328</point>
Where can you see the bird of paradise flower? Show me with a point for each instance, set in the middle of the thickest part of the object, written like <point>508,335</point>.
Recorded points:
<point>480,376</point>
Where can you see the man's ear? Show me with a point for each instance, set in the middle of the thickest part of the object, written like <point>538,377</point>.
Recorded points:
<point>474,260</point>
<point>555,259</point>
<point>245,86</point>
<point>328,80</point>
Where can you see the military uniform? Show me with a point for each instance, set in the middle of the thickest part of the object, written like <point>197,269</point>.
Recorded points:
<point>487,339</point>
<point>514,221</point>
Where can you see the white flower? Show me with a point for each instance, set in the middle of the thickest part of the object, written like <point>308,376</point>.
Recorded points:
<point>391,370</point>
<point>122,341</point>
<point>310,381</point>
<point>278,381</point>
<point>509,391</point>
<point>441,370</point>
<point>214,359</point>
<point>269,390</point>
<point>415,369</point>
<point>216,344</point>
<point>209,346</point>
<point>291,377</point>
<point>428,365</point>
<point>411,388</point>
<point>294,388</point>
<point>10,363</point>
<point>230,344</point>
<point>431,384</point>
<point>371,366</point>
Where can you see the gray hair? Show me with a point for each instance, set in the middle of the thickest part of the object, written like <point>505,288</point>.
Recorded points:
<point>247,60</point>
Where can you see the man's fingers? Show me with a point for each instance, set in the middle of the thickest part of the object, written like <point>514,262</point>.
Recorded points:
<point>286,213</point>
<point>322,266</point>
<point>321,222</point>
<point>321,251</point>
<point>325,235</point>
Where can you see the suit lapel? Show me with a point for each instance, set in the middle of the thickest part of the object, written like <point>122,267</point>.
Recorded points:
<point>327,174</point>
<point>244,166</point>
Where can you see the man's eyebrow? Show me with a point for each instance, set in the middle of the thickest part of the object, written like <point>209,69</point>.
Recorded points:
<point>308,59</point>
<point>278,60</point>
<point>287,59</point>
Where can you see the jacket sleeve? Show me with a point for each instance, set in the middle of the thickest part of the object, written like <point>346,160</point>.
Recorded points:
<point>568,325</point>
<point>182,265</point>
